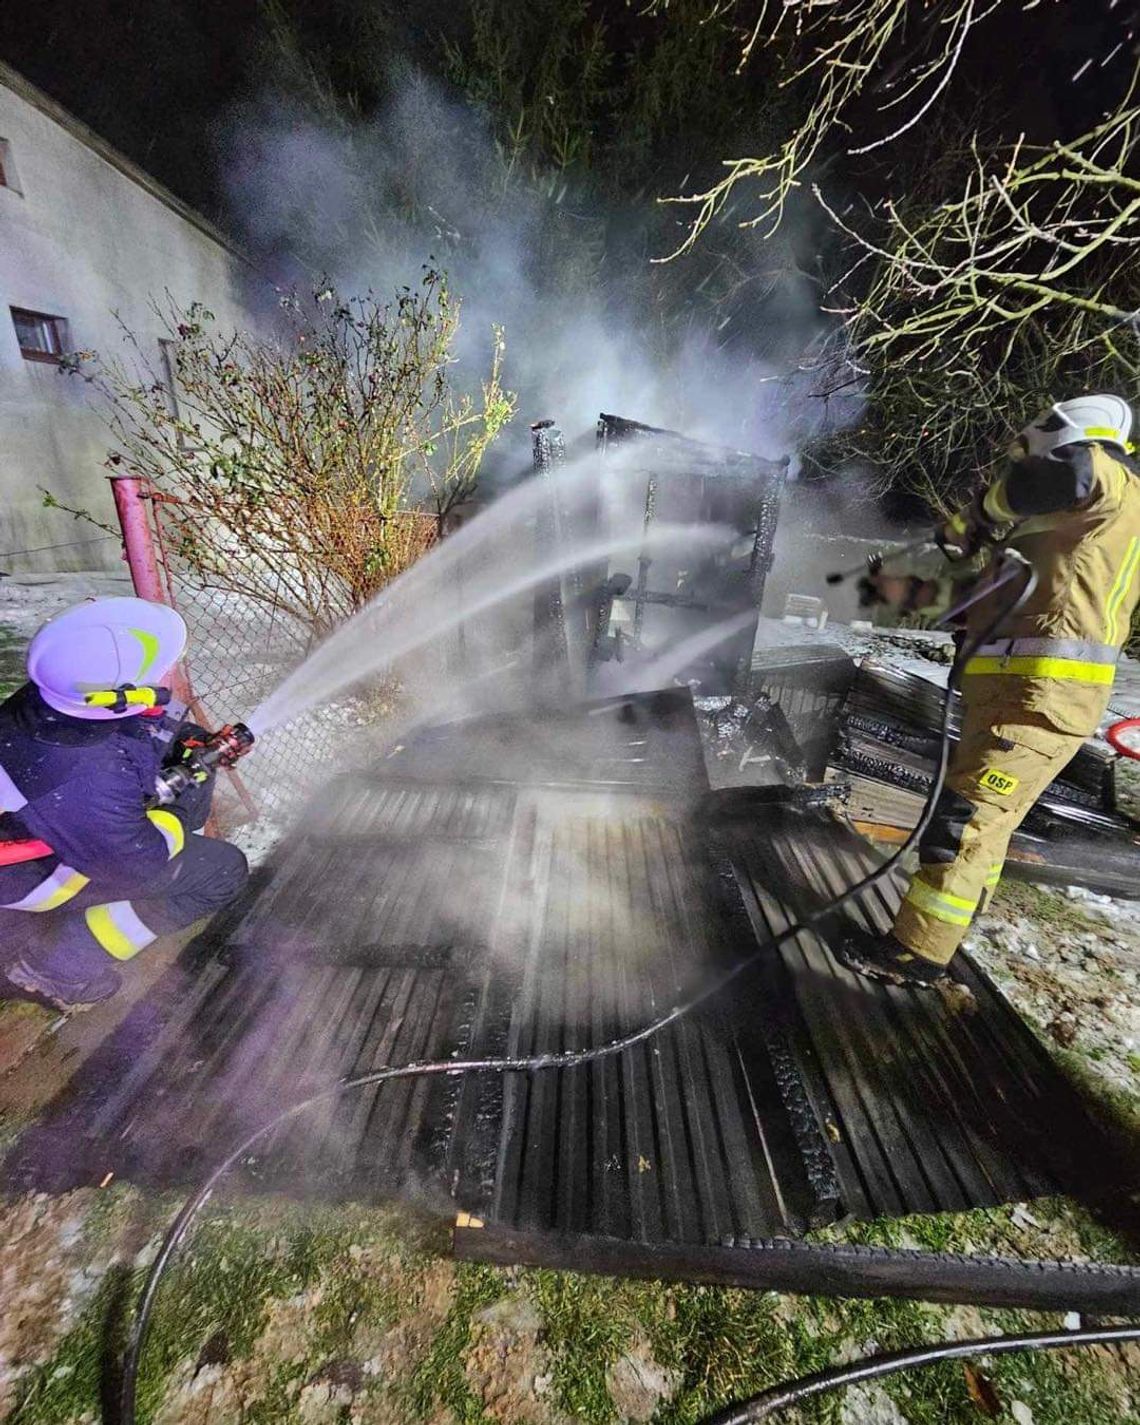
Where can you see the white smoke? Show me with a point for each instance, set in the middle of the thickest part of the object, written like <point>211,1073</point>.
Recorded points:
<point>369,203</point>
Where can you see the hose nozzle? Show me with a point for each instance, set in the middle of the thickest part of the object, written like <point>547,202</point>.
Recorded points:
<point>221,749</point>
<point>227,745</point>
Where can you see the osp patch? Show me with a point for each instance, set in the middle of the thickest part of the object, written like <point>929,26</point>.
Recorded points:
<point>1000,782</point>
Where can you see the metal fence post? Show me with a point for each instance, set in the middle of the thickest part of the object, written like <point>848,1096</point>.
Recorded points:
<point>131,494</point>
<point>134,504</point>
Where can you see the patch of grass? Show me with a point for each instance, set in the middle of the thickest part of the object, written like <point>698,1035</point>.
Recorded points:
<point>726,1343</point>
<point>732,1344</point>
<point>1060,1387</point>
<point>68,1384</point>
<point>277,1399</point>
<point>1066,1229</point>
<point>439,1379</point>
<point>1116,1106</point>
<point>241,1260</point>
<point>587,1324</point>
<point>1019,900</point>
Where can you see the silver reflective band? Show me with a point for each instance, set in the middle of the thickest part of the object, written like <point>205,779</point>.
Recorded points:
<point>11,798</point>
<point>1078,649</point>
<point>55,890</point>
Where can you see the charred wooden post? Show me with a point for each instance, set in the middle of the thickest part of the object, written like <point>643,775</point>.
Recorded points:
<point>643,561</point>
<point>550,648</point>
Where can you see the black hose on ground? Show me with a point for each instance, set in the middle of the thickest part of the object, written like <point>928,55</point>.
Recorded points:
<point>779,1397</point>
<point>1015,571</point>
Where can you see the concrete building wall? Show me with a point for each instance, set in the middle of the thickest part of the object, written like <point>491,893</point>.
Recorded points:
<point>86,236</point>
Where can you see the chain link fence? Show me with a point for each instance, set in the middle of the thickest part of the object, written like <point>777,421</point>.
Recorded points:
<point>245,636</point>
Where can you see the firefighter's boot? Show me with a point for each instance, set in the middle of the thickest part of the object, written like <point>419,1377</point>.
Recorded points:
<point>883,957</point>
<point>63,991</point>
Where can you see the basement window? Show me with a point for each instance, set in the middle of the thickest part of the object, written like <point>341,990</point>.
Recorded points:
<point>41,337</point>
<point>8,167</point>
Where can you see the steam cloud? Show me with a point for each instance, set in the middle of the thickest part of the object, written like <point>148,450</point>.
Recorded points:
<point>369,203</point>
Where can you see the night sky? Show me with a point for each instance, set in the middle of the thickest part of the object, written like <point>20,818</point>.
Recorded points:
<point>159,79</point>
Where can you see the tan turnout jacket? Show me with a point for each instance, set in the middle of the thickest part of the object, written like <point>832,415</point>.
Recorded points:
<point>1058,656</point>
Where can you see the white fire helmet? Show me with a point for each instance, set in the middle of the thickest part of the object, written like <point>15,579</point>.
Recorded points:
<point>101,646</point>
<point>1107,419</point>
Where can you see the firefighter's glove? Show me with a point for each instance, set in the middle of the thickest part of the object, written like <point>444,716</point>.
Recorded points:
<point>868,590</point>
<point>189,741</point>
<point>964,533</point>
<point>904,592</point>
<point>192,806</point>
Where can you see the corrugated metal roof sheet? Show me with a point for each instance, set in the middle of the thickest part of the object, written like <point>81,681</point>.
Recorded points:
<point>409,918</point>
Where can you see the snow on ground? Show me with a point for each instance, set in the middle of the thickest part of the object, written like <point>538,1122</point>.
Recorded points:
<point>1070,964</point>
<point>28,600</point>
<point>256,838</point>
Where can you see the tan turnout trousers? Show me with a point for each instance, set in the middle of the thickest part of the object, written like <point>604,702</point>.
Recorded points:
<point>999,770</point>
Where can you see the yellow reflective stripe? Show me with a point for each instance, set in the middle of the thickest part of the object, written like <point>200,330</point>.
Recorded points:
<point>994,503</point>
<point>132,697</point>
<point>994,875</point>
<point>1120,587</point>
<point>1069,669</point>
<point>64,891</point>
<point>55,890</point>
<point>118,929</point>
<point>1126,588</point>
<point>171,829</point>
<point>954,910</point>
<point>149,647</point>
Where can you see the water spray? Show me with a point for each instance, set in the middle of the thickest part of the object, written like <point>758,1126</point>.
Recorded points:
<point>1012,571</point>
<point>335,667</point>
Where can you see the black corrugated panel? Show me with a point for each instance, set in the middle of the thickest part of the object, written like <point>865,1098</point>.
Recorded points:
<point>562,920</point>
<point>887,749</point>
<point>933,1101</point>
<point>410,919</point>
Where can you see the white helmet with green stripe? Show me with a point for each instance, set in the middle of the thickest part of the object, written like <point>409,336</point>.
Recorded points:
<point>1106,419</point>
<point>101,647</point>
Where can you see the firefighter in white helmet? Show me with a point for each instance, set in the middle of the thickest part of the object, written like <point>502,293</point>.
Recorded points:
<point>1069,502</point>
<point>90,871</point>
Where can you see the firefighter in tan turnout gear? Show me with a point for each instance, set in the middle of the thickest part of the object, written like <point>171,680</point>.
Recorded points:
<point>1069,502</point>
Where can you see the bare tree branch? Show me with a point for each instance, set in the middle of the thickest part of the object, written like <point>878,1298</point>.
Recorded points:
<point>835,52</point>
<point>1023,286</point>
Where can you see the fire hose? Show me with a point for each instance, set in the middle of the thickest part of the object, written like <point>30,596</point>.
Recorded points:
<point>1012,569</point>
<point>769,1402</point>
